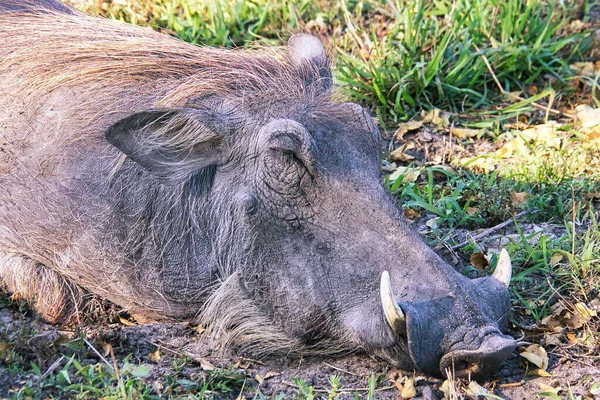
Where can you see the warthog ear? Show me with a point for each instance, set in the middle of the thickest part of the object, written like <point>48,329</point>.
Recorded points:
<point>171,143</point>
<point>307,50</point>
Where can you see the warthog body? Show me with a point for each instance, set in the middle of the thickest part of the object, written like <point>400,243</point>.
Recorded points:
<point>183,182</point>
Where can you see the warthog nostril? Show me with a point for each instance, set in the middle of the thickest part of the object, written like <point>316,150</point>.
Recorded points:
<point>480,362</point>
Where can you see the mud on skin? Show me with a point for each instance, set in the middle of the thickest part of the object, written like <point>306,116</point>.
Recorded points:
<point>227,187</point>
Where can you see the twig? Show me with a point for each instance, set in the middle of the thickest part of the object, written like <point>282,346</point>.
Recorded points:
<point>98,354</point>
<point>348,390</point>
<point>119,380</point>
<point>493,229</point>
<point>204,364</point>
<point>54,365</point>
<point>514,96</point>
<point>342,370</point>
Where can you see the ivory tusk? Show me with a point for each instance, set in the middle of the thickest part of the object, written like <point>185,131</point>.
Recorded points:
<point>503,271</point>
<point>393,313</point>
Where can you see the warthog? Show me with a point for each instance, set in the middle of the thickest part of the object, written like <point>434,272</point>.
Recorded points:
<point>231,187</point>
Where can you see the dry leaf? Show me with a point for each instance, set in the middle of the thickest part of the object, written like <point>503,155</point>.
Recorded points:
<point>552,339</point>
<point>400,155</point>
<point>585,311</point>
<point>536,355</point>
<point>518,198</point>
<point>271,374</point>
<point>544,133</point>
<point>408,391</point>
<point>514,147</point>
<point>399,387</point>
<point>587,116</point>
<point>126,322</point>
<point>555,259</point>
<point>407,127</point>
<point>464,132</point>
<point>436,117</point>
<point>539,372</point>
<point>154,356</point>
<point>411,213</point>
<point>425,136</point>
<point>479,261</point>
<point>472,210</point>
<point>584,68</point>
<point>432,222</point>
<point>445,388</point>
<point>200,329</point>
<point>548,389</point>
<point>105,348</point>
<point>409,174</point>
<point>474,390</point>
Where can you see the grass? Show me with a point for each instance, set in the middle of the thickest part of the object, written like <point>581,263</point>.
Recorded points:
<point>399,58</point>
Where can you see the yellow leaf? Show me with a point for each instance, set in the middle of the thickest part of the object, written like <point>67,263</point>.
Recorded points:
<point>585,311</point>
<point>555,259</point>
<point>587,116</point>
<point>536,355</point>
<point>514,147</point>
<point>464,132</point>
<point>126,322</point>
<point>479,261</point>
<point>539,372</point>
<point>154,356</point>
<point>552,339</point>
<point>407,127</point>
<point>400,155</point>
<point>548,388</point>
<point>474,390</point>
<point>408,391</point>
<point>436,117</point>
<point>411,213</point>
<point>519,198</point>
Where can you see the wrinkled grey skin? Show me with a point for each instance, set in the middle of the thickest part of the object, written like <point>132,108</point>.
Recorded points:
<point>287,198</point>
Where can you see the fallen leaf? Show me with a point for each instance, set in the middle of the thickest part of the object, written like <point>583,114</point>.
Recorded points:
<point>408,391</point>
<point>472,210</point>
<point>464,132</point>
<point>271,374</point>
<point>583,68</point>
<point>409,175</point>
<point>519,198</point>
<point>154,356</point>
<point>474,390</point>
<point>479,261</point>
<point>587,116</point>
<point>436,117</point>
<point>552,339</point>
<point>432,222</point>
<point>411,213</point>
<point>126,322</point>
<point>539,372</point>
<point>536,355</point>
<point>400,155</point>
<point>106,347</point>
<point>555,259</point>
<point>407,127</point>
<point>200,329</point>
<point>549,389</point>
<point>544,133</point>
<point>445,388</point>
<point>514,147</point>
<point>585,311</point>
<point>140,371</point>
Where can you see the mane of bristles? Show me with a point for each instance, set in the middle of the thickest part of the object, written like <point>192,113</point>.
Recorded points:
<point>46,51</point>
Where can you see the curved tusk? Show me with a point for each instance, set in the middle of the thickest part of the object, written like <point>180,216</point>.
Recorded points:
<point>503,271</point>
<point>393,313</point>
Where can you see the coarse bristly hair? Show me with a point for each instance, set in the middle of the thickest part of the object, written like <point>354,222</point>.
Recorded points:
<point>126,69</point>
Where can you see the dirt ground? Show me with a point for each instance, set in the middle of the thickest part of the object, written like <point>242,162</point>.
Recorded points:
<point>569,370</point>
